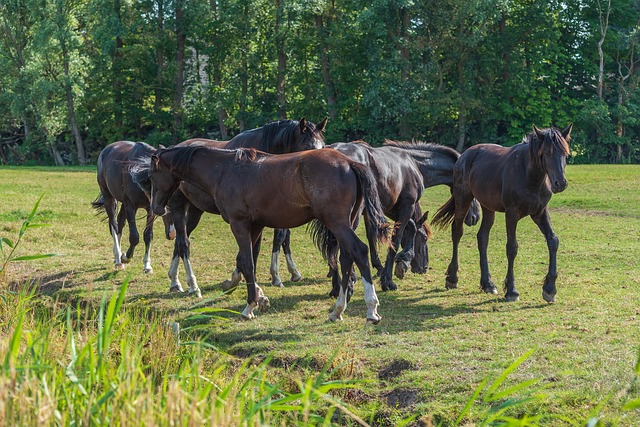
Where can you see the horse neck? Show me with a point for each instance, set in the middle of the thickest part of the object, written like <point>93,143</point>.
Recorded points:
<point>205,169</point>
<point>435,168</point>
<point>536,175</point>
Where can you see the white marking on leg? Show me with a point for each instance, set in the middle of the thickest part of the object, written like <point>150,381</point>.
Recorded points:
<point>191,279</point>
<point>371,300</point>
<point>147,261</point>
<point>341,306</point>
<point>275,277</point>
<point>117,252</point>
<point>247,313</point>
<point>176,286</point>
<point>291,266</point>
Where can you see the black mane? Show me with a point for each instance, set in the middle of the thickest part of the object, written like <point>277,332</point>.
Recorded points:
<point>424,146</point>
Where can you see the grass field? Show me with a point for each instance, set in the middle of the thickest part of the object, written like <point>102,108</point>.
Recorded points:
<point>433,347</point>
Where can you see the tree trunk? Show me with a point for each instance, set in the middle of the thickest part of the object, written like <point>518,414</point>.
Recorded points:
<point>462,119</point>
<point>181,37</point>
<point>325,65</point>
<point>157,102</point>
<point>71,111</point>
<point>282,61</point>
<point>604,26</point>
<point>217,74</point>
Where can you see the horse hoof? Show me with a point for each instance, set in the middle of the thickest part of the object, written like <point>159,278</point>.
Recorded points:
<point>125,260</point>
<point>334,318</point>
<point>118,266</point>
<point>512,298</point>
<point>451,285</point>
<point>389,287</point>
<point>278,284</point>
<point>490,290</point>
<point>551,299</point>
<point>229,286</point>
<point>373,321</point>
<point>148,270</point>
<point>247,318</point>
<point>296,277</point>
<point>196,293</point>
<point>176,289</point>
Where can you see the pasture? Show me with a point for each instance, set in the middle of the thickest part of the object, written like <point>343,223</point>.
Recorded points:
<point>433,347</point>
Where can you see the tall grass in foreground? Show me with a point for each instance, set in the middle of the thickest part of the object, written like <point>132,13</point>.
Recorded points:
<point>81,366</point>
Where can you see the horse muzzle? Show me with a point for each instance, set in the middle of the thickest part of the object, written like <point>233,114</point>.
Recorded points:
<point>559,186</point>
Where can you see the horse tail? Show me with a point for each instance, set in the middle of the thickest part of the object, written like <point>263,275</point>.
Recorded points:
<point>325,241</point>
<point>445,214</point>
<point>375,222</point>
<point>98,205</point>
<point>140,171</point>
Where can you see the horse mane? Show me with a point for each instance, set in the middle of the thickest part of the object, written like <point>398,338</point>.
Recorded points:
<point>285,129</point>
<point>553,136</point>
<point>423,146</point>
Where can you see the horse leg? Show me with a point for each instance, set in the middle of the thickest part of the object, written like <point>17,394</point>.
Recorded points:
<point>486,284</point>
<point>193,216</point>
<point>110,207</point>
<point>451,281</point>
<point>403,258</point>
<point>354,250</point>
<point>511,219</point>
<point>373,248</point>
<point>279,236</point>
<point>256,238</point>
<point>148,237</point>
<point>134,236</point>
<point>544,224</point>
<point>244,261</point>
<point>291,265</point>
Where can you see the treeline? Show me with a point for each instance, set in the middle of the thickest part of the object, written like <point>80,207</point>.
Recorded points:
<point>76,75</point>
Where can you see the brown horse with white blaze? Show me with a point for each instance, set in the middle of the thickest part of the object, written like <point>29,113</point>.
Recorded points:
<point>254,190</point>
<point>518,181</point>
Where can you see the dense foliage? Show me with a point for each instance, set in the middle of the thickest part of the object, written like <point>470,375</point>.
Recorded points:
<point>76,75</point>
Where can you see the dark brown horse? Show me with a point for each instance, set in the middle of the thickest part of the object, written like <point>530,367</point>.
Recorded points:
<point>403,170</point>
<point>254,190</point>
<point>518,181</point>
<point>116,185</point>
<point>188,204</point>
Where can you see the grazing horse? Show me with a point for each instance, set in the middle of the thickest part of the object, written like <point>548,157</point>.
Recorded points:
<point>188,204</point>
<point>518,181</point>
<point>116,185</point>
<point>402,171</point>
<point>253,190</point>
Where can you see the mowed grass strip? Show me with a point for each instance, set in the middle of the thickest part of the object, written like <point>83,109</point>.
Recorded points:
<point>433,347</point>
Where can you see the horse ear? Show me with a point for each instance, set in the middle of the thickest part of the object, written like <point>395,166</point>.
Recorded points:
<point>322,124</point>
<point>566,134</point>
<point>423,219</point>
<point>538,132</point>
<point>303,125</point>
<point>155,160</point>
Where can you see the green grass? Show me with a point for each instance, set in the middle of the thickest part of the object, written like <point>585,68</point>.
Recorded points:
<point>433,348</point>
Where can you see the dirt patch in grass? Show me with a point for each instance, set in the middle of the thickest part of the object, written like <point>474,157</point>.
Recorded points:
<point>401,397</point>
<point>394,369</point>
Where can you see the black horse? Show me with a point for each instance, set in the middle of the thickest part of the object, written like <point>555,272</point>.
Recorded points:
<point>187,205</point>
<point>518,181</point>
<point>251,193</point>
<point>402,171</point>
<point>116,185</point>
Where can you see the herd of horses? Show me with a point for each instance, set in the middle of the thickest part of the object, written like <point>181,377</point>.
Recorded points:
<point>282,175</point>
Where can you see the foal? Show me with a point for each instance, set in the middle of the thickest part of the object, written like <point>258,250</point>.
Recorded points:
<point>518,181</point>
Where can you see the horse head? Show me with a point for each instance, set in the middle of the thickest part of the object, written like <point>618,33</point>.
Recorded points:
<point>163,183</point>
<point>310,135</point>
<point>550,153</point>
<point>420,260</point>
